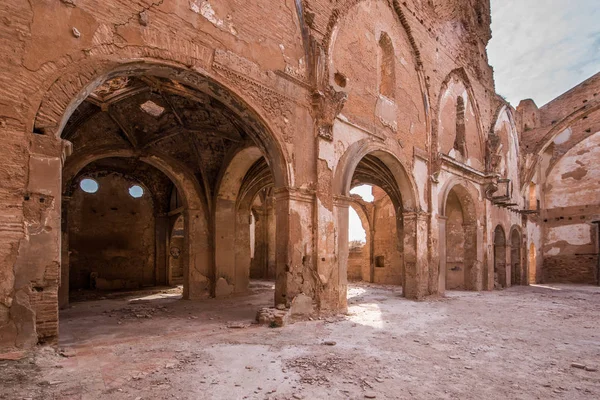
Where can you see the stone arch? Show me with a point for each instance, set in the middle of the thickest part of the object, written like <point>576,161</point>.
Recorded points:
<point>198,267</point>
<point>378,166</point>
<point>500,270</point>
<point>393,160</point>
<point>261,108</point>
<point>459,76</point>
<point>460,263</point>
<point>502,156</point>
<point>516,263</point>
<point>183,179</point>
<point>556,130</point>
<point>68,90</point>
<point>244,174</point>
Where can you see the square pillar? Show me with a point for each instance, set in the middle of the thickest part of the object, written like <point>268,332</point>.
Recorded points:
<point>198,265</point>
<point>38,266</point>
<point>416,266</point>
<point>295,271</point>
<point>442,254</point>
<point>161,224</point>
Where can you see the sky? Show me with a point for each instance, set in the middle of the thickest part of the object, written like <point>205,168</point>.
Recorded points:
<point>542,48</point>
<point>355,228</point>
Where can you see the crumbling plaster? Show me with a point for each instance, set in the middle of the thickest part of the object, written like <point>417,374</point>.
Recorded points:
<point>300,83</point>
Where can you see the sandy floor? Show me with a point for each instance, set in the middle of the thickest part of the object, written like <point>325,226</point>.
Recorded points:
<point>518,343</point>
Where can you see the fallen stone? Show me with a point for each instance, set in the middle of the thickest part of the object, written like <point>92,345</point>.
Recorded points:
<point>577,365</point>
<point>591,369</point>
<point>272,317</point>
<point>67,353</point>
<point>370,396</point>
<point>302,305</point>
<point>329,343</point>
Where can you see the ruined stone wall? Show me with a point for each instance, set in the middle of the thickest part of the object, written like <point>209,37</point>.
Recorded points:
<point>111,235</point>
<point>387,252</point>
<point>311,81</point>
<point>563,135</point>
<point>358,263</point>
<point>572,203</point>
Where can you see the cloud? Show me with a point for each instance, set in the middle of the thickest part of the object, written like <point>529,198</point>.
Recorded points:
<point>542,48</point>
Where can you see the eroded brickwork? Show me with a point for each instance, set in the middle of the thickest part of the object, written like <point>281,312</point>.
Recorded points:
<point>249,122</point>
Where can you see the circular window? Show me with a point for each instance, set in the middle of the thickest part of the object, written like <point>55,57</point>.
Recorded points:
<point>89,185</point>
<point>136,191</point>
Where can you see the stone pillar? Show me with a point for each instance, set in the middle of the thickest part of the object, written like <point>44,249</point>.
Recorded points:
<point>258,266</point>
<point>416,271</point>
<point>226,224</point>
<point>37,269</point>
<point>271,230</point>
<point>161,223</point>
<point>442,254</point>
<point>241,251</point>
<point>198,264</point>
<point>507,263</point>
<point>63,289</point>
<point>481,265</point>
<point>472,270</point>
<point>339,298</point>
<point>295,273</point>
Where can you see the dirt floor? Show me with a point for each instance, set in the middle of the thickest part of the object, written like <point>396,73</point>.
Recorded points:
<point>519,343</point>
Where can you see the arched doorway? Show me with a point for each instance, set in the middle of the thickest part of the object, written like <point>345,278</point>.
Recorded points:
<point>516,272</point>
<point>262,233</point>
<point>380,258</point>
<point>360,243</point>
<point>499,258</point>
<point>244,198</point>
<point>459,267</point>
<point>184,126</point>
<point>366,164</point>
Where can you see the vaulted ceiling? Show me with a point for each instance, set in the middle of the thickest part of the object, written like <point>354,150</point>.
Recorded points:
<point>151,114</point>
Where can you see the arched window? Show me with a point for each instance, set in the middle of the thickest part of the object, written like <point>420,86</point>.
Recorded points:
<point>460,142</point>
<point>387,65</point>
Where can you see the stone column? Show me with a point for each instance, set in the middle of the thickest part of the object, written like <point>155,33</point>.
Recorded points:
<point>295,272</point>
<point>339,297</point>
<point>472,273</point>
<point>242,261</point>
<point>442,254</point>
<point>161,223</point>
<point>259,267</point>
<point>271,237</point>
<point>198,267</point>
<point>416,271</point>
<point>37,269</point>
<point>63,289</point>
